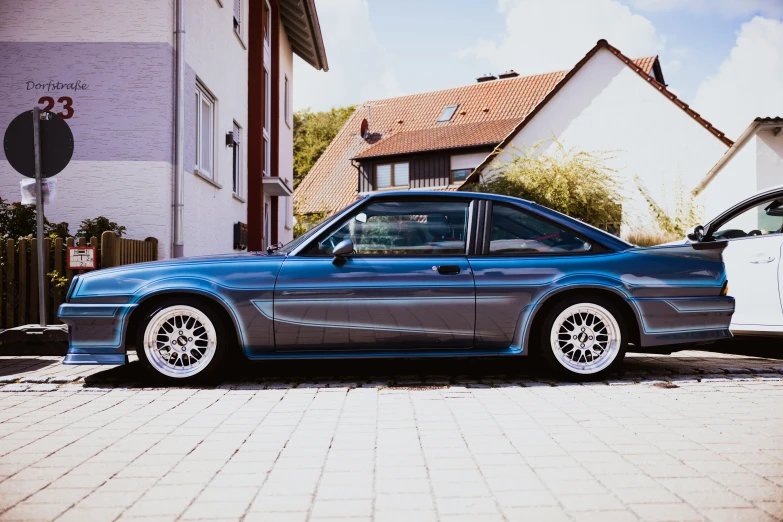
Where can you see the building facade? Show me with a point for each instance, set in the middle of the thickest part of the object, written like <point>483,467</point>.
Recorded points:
<point>659,147</point>
<point>110,69</point>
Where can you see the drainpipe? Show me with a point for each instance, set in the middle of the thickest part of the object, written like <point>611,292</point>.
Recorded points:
<point>178,206</point>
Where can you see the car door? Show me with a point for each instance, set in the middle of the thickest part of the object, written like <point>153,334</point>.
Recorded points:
<point>522,256</point>
<point>407,286</point>
<point>752,259</point>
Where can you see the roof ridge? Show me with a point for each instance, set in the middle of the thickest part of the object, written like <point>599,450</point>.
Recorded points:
<point>483,84</point>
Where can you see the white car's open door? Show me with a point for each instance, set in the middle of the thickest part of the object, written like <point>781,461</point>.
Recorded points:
<point>754,231</point>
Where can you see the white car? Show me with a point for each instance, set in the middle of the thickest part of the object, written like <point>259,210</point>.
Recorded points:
<point>754,231</point>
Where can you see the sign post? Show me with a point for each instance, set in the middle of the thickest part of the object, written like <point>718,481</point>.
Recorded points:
<point>39,215</point>
<point>45,155</point>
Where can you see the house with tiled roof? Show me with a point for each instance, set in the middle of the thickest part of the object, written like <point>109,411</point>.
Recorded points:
<point>441,140</point>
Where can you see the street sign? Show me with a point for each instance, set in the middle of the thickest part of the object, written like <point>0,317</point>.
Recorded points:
<point>81,258</point>
<point>56,141</point>
<point>39,144</point>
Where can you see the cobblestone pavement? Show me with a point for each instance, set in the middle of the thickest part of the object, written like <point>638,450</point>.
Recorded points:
<point>692,436</point>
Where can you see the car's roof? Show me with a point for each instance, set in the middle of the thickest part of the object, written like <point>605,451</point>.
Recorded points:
<point>588,231</point>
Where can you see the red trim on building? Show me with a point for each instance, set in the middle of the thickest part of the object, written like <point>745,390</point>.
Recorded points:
<point>274,162</point>
<point>255,127</point>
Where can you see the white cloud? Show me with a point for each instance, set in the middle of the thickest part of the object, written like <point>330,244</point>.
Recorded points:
<point>729,8</point>
<point>749,82</point>
<point>358,64</point>
<point>543,36</point>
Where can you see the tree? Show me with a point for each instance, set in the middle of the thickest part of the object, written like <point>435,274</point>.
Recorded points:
<point>573,182</point>
<point>313,132</point>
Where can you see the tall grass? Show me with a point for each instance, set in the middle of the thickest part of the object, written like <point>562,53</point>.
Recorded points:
<point>652,238</point>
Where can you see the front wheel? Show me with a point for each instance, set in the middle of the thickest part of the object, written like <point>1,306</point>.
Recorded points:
<point>183,340</point>
<point>583,337</point>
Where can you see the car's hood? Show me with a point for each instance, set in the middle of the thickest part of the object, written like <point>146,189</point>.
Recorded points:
<point>235,270</point>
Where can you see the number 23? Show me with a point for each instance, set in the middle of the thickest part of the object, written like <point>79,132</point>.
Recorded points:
<point>65,100</point>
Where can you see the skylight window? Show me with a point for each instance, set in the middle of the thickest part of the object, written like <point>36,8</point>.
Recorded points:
<point>447,113</point>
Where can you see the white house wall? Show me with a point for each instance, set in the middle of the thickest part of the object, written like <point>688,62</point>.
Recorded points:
<point>286,140</point>
<point>606,106</point>
<point>118,80</point>
<point>769,158</point>
<point>218,59</point>
<point>119,75</point>
<point>735,182</point>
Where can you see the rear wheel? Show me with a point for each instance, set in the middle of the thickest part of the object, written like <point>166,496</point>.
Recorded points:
<point>182,339</point>
<point>583,337</point>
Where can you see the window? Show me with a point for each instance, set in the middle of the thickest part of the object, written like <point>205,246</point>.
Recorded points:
<point>447,113</point>
<point>236,170</point>
<point>267,23</point>
<point>391,175</point>
<point>517,232</point>
<point>760,220</point>
<point>287,102</point>
<point>459,175</point>
<point>238,17</point>
<point>403,228</point>
<point>205,132</point>
<point>267,120</point>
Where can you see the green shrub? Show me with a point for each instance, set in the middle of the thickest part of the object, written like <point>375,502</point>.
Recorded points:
<point>574,182</point>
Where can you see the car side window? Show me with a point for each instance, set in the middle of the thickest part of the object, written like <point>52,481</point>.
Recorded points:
<point>403,228</point>
<point>761,220</point>
<point>517,232</point>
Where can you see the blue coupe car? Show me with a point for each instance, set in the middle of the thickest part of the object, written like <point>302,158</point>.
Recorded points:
<point>408,274</point>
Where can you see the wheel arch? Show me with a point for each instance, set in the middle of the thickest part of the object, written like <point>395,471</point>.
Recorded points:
<point>630,314</point>
<point>152,299</point>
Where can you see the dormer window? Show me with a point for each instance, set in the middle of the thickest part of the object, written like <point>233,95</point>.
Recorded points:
<point>447,113</point>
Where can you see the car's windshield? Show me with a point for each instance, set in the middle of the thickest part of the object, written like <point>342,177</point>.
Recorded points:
<point>288,247</point>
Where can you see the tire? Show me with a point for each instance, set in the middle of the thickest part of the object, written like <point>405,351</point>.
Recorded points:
<point>583,337</point>
<point>182,340</point>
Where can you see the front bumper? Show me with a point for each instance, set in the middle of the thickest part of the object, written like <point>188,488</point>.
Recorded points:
<point>683,320</point>
<point>96,332</point>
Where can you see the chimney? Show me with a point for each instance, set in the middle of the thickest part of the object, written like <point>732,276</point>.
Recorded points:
<point>511,73</point>
<point>486,78</point>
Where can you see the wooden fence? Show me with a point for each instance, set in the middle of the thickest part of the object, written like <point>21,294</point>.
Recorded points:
<point>19,271</point>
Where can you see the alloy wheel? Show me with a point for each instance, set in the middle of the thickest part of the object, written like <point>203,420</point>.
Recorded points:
<point>180,341</point>
<point>585,338</point>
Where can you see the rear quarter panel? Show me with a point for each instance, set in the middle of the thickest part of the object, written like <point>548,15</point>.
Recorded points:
<point>670,296</point>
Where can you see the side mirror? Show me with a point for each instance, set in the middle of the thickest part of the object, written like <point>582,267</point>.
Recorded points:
<point>697,234</point>
<point>342,249</point>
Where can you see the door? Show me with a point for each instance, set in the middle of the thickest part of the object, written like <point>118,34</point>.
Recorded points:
<point>523,256</point>
<point>752,260</point>
<point>407,286</point>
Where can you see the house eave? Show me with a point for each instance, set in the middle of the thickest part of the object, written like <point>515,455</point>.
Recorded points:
<point>300,20</point>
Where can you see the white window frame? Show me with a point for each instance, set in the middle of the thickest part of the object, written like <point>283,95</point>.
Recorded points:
<point>287,100</point>
<point>203,94</point>
<point>238,163</point>
<point>237,23</point>
<point>393,184</point>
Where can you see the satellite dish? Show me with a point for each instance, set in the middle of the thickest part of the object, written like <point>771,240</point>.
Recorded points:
<point>364,130</point>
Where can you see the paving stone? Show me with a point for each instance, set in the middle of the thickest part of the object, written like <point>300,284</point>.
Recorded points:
<point>494,447</point>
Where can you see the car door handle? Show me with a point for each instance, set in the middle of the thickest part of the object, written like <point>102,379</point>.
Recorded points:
<point>761,259</point>
<point>448,269</point>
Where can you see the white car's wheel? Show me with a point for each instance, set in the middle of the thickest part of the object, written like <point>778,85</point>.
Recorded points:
<point>180,340</point>
<point>583,336</point>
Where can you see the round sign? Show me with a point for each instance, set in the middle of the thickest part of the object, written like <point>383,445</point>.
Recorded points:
<point>56,144</point>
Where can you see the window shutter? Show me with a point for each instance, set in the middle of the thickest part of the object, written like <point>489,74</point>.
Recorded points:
<point>383,176</point>
<point>400,174</point>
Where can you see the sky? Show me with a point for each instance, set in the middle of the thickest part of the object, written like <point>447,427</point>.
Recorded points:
<point>723,57</point>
